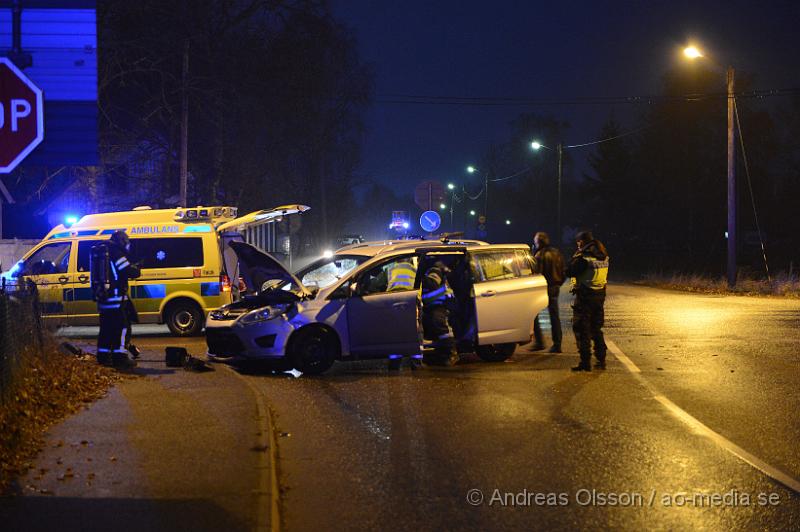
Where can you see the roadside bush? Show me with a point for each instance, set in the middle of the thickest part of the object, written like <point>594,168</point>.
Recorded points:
<point>782,284</point>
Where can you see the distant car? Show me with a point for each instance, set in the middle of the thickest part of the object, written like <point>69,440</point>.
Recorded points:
<point>346,240</point>
<point>338,308</point>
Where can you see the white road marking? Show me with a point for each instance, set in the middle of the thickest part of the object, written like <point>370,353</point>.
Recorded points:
<point>699,428</point>
<point>266,486</point>
<point>622,357</point>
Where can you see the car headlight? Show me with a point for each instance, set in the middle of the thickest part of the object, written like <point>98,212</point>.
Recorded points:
<point>264,314</point>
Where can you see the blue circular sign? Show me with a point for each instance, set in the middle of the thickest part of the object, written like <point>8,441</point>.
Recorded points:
<point>430,221</point>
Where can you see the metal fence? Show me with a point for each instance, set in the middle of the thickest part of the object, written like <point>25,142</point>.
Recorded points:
<point>21,332</point>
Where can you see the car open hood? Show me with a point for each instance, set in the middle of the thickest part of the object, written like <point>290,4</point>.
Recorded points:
<point>258,267</point>
<point>263,216</point>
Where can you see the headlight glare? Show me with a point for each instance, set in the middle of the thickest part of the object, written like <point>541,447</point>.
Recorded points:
<point>264,314</point>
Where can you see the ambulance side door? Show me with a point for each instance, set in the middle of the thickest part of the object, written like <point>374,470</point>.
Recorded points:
<point>81,304</point>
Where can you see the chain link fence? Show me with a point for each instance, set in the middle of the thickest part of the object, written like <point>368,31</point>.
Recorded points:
<point>21,332</point>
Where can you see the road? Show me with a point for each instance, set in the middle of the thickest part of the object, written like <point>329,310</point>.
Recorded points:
<point>368,450</point>
<point>701,389</point>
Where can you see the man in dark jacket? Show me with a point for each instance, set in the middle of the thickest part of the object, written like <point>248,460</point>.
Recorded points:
<point>110,283</point>
<point>550,263</point>
<point>588,270</point>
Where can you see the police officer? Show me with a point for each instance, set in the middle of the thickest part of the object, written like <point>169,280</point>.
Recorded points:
<point>588,270</point>
<point>550,263</point>
<point>401,276</point>
<point>113,302</point>
<point>437,296</point>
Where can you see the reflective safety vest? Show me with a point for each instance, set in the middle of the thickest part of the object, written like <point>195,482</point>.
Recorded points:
<point>401,277</point>
<point>595,276</point>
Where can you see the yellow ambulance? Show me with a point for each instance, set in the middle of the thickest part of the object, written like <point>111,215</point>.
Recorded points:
<point>187,267</point>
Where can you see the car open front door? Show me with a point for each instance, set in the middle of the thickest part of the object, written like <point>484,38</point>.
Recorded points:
<point>506,299</point>
<point>383,323</point>
<point>380,321</point>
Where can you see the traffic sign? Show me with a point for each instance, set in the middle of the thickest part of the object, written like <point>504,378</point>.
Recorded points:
<point>428,194</point>
<point>430,221</point>
<point>21,116</point>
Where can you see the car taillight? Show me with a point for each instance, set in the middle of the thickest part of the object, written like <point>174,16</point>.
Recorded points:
<point>224,282</point>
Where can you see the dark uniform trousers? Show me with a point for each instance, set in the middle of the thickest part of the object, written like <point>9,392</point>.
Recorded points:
<point>553,292</point>
<point>587,323</point>
<point>435,323</point>
<point>115,328</point>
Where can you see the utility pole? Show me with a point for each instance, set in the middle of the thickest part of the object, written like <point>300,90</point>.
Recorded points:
<point>731,184</point>
<point>486,194</point>
<point>560,151</point>
<point>184,126</point>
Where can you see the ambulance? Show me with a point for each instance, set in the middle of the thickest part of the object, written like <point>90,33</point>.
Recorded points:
<point>187,266</point>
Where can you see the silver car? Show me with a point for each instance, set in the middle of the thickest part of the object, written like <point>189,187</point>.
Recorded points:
<point>340,307</point>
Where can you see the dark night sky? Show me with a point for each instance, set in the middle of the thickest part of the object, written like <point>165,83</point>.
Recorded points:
<point>539,50</point>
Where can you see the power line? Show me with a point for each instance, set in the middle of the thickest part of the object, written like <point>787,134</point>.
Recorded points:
<point>400,99</point>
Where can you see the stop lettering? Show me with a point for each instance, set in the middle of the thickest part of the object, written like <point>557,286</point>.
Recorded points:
<point>21,116</point>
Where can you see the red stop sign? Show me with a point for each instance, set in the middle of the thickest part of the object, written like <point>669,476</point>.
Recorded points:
<point>21,116</point>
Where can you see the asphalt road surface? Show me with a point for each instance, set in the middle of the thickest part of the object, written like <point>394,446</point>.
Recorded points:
<point>688,428</point>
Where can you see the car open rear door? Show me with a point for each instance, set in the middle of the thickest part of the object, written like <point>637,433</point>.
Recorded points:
<point>506,301</point>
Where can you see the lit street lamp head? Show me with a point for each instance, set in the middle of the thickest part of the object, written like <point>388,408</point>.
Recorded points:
<point>691,52</point>
<point>451,186</point>
<point>471,169</point>
<point>535,145</point>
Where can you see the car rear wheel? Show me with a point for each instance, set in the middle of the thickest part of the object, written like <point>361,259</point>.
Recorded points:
<point>495,352</point>
<point>313,351</point>
<point>184,318</point>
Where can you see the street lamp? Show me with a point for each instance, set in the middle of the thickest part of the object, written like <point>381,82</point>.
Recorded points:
<point>691,52</point>
<point>452,188</point>
<point>442,206</point>
<point>536,146</point>
<point>471,170</point>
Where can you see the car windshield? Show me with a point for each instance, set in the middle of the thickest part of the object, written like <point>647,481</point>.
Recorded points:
<point>324,272</point>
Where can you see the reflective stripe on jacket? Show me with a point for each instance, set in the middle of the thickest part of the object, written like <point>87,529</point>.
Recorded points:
<point>435,290</point>
<point>401,277</point>
<point>595,276</point>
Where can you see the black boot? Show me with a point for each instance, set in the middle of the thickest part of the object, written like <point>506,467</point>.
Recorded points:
<point>585,364</point>
<point>555,349</point>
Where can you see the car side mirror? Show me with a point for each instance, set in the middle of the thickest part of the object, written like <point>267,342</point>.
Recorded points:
<point>343,292</point>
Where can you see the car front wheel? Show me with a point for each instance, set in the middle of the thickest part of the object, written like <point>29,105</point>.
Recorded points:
<point>495,352</point>
<point>313,351</point>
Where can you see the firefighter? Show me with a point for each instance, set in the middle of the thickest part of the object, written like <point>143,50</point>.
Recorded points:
<point>588,270</point>
<point>437,297</point>
<point>111,268</point>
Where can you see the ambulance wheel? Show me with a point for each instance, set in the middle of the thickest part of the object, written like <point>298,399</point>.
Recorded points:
<point>496,352</point>
<point>313,351</point>
<point>184,318</point>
